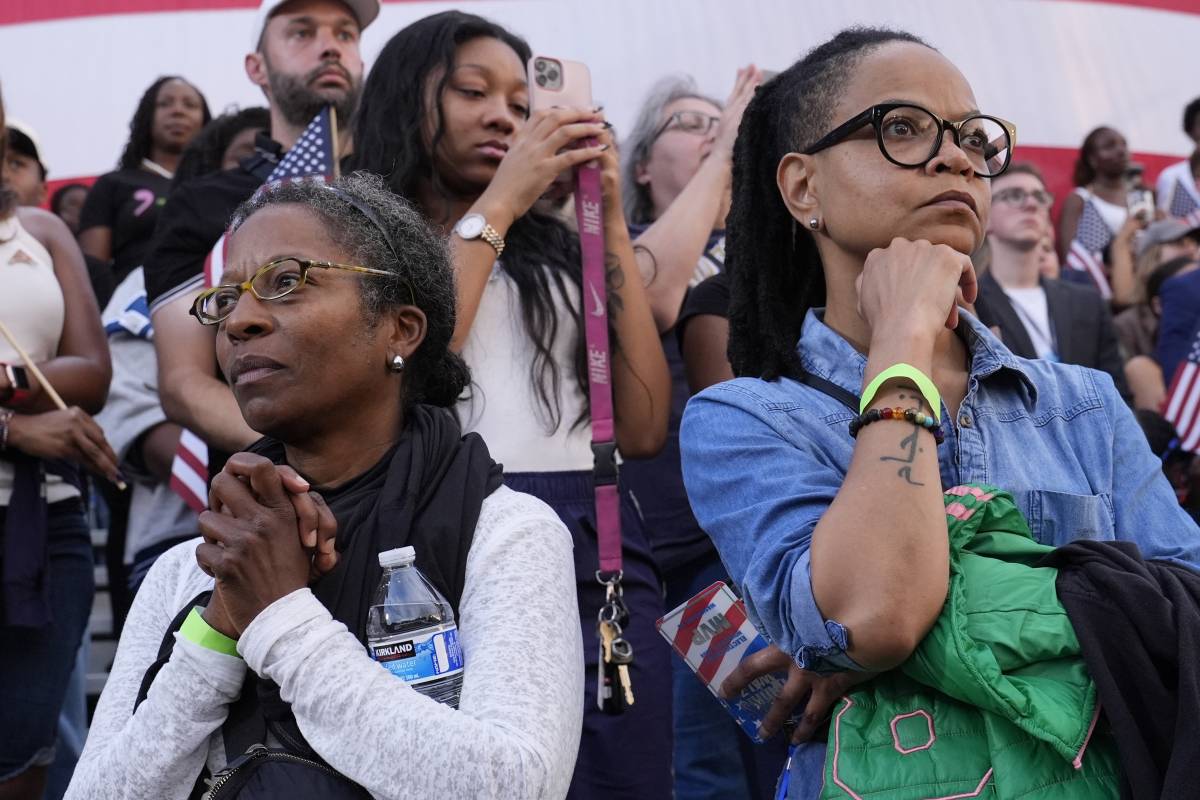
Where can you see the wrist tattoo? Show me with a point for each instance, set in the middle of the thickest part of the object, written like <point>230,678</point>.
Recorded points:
<point>908,446</point>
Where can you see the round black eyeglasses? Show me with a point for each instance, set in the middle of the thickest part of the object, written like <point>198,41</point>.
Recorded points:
<point>910,136</point>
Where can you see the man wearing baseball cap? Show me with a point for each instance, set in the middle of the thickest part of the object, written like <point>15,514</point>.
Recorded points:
<point>305,56</point>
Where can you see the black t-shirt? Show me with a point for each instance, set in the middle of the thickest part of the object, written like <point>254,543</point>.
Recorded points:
<point>675,537</point>
<point>127,202</point>
<point>195,216</point>
<point>710,296</point>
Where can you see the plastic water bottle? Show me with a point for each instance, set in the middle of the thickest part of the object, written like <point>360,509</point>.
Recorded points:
<point>411,629</point>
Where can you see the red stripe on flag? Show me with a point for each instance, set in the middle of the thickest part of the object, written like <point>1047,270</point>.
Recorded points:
<point>1182,406</point>
<point>196,504</point>
<point>15,12</point>
<point>692,614</point>
<point>189,458</point>
<point>718,645</point>
<point>1080,258</point>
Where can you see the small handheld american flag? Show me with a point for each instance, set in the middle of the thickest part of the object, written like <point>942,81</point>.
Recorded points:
<point>313,157</point>
<point>1182,406</point>
<point>1183,205</point>
<point>712,634</point>
<point>1085,253</point>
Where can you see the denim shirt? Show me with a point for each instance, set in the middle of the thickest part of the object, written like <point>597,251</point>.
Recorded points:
<point>762,460</point>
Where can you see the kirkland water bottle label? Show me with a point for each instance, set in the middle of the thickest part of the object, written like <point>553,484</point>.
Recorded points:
<point>421,657</point>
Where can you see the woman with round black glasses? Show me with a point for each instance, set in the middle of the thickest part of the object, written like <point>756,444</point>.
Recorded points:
<point>860,188</point>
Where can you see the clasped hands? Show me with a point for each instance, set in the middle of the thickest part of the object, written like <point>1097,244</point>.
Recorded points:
<point>266,534</point>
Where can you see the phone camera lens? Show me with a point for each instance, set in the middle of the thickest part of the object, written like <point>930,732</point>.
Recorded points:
<point>552,74</point>
<point>539,65</point>
<point>541,80</point>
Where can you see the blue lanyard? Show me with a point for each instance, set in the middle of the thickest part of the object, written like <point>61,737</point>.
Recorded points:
<point>781,787</point>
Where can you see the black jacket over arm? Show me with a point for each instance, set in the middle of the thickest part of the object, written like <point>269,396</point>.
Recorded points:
<point>1138,623</point>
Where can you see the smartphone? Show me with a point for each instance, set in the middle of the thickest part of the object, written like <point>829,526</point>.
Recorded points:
<point>1141,203</point>
<point>1139,200</point>
<point>558,82</point>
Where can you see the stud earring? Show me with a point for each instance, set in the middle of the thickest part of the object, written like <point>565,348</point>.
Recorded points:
<point>397,364</point>
<point>815,224</point>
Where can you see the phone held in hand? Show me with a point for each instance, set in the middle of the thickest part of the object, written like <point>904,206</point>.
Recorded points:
<point>1139,200</point>
<point>558,83</point>
<point>712,634</point>
<point>1141,203</point>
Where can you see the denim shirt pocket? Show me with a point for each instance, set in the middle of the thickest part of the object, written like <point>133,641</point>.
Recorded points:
<point>1056,518</point>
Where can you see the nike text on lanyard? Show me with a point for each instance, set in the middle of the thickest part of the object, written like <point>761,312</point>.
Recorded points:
<point>614,691</point>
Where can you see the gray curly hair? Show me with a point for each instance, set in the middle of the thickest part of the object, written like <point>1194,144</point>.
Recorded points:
<point>639,208</point>
<point>403,244</point>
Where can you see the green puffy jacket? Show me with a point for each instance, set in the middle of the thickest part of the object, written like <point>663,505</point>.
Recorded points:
<point>996,701</point>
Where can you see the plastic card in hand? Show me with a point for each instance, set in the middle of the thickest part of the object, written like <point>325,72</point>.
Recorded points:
<point>712,634</point>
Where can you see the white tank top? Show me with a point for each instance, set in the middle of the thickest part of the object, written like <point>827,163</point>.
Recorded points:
<point>32,306</point>
<point>504,406</point>
<point>1113,215</point>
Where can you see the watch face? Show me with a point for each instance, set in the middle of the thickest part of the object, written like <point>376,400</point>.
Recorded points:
<point>19,377</point>
<point>470,226</point>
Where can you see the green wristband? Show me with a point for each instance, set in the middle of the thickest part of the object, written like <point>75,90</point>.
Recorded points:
<point>924,385</point>
<point>196,630</point>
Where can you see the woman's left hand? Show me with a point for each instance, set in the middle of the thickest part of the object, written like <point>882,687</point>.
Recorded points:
<point>610,174</point>
<point>250,544</point>
<point>815,692</point>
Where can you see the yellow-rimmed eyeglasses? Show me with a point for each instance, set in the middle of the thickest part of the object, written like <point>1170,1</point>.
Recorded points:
<point>272,281</point>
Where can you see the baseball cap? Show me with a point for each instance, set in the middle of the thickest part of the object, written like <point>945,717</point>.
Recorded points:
<point>365,11</point>
<point>22,139</point>
<point>1161,232</point>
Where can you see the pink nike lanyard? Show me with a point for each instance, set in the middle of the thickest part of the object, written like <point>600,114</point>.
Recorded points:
<point>589,213</point>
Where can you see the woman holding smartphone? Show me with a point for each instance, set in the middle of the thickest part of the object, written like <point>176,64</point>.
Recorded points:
<point>445,119</point>
<point>860,186</point>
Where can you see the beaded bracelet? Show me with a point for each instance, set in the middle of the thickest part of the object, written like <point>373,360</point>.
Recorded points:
<point>918,418</point>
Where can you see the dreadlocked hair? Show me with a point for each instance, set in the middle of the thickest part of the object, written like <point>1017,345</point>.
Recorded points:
<point>775,270</point>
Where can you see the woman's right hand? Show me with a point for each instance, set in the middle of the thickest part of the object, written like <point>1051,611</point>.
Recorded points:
<point>70,434</point>
<point>914,288</point>
<point>539,153</point>
<point>747,81</point>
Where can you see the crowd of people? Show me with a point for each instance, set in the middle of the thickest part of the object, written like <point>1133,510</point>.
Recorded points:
<point>266,383</point>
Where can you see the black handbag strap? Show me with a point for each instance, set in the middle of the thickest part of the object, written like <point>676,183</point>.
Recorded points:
<point>244,726</point>
<point>168,644</point>
<point>845,397</point>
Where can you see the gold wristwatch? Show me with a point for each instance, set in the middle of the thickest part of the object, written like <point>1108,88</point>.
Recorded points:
<point>474,226</point>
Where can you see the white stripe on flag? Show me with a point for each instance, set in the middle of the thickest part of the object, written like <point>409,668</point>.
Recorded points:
<point>1080,258</point>
<point>1179,389</point>
<point>1184,409</point>
<point>186,480</point>
<point>214,264</point>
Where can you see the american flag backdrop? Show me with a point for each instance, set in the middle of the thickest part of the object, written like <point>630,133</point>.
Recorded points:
<point>314,157</point>
<point>1085,254</point>
<point>1182,406</point>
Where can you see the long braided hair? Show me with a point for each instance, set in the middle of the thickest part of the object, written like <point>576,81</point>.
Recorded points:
<point>775,270</point>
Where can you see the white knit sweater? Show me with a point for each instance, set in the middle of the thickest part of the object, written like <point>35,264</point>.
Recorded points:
<point>515,734</point>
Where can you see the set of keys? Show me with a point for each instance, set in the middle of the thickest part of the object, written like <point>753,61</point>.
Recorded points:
<point>614,688</point>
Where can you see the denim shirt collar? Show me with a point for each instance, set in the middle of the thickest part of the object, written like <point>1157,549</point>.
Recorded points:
<point>825,353</point>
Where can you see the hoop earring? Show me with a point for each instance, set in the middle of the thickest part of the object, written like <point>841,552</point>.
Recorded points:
<point>815,224</point>
<point>397,364</point>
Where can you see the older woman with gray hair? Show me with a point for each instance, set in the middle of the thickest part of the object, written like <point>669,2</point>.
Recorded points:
<point>333,323</point>
<point>677,173</point>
